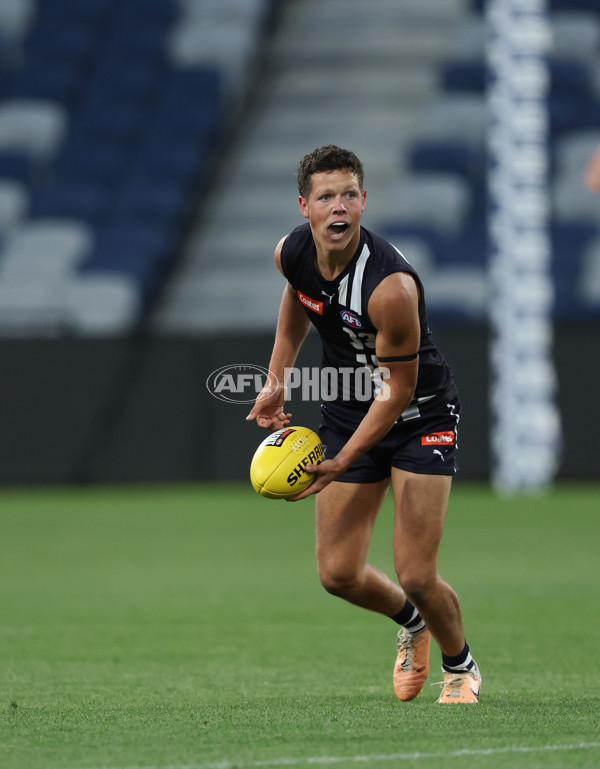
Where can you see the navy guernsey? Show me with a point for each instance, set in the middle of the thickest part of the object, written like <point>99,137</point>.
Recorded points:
<point>339,311</point>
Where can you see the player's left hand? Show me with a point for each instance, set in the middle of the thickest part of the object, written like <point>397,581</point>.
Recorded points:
<point>324,473</point>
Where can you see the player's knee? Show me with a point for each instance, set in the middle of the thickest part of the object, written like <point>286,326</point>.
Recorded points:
<point>338,582</point>
<point>418,585</point>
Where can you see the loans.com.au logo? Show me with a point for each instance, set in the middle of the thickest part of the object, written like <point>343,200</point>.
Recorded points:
<point>240,382</point>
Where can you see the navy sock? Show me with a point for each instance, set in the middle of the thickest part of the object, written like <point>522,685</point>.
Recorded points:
<point>461,663</point>
<point>409,618</point>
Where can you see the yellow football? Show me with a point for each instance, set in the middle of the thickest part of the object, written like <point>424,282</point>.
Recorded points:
<point>277,468</point>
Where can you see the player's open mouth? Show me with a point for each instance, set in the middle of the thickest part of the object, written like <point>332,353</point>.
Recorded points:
<point>337,229</point>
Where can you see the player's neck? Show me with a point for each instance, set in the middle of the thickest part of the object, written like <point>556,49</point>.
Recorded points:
<point>331,263</point>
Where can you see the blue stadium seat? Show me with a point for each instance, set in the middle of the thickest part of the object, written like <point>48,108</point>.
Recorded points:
<point>120,78</point>
<point>569,244</point>
<point>163,11</point>
<point>152,202</point>
<point>183,160</point>
<point>571,115</point>
<point>20,166</point>
<point>554,5</point>
<point>90,10</point>
<point>137,37</point>
<point>84,200</point>
<point>566,77</point>
<point>96,161</point>
<point>99,117</point>
<point>55,39</point>
<point>182,120</point>
<point>191,103</point>
<point>60,82</point>
<point>114,242</point>
<point>449,157</point>
<point>203,83</point>
<point>141,251</point>
<point>574,5</point>
<point>469,247</point>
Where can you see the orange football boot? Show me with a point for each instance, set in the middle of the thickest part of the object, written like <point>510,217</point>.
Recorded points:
<point>460,688</point>
<point>412,664</point>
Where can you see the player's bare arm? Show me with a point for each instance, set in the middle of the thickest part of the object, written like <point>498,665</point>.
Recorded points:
<point>393,308</point>
<point>292,328</point>
<point>592,172</point>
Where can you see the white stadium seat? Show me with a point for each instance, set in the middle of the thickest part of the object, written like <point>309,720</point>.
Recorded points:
<point>30,309</point>
<point>589,278</point>
<point>102,304</point>
<point>44,250</point>
<point>33,126</point>
<point>442,200</point>
<point>15,18</point>
<point>14,206</point>
<point>458,117</point>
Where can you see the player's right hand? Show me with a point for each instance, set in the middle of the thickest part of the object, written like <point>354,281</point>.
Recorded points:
<point>268,408</point>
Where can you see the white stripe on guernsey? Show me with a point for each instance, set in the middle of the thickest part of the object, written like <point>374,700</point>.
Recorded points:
<point>400,252</point>
<point>412,412</point>
<point>342,290</point>
<point>356,298</point>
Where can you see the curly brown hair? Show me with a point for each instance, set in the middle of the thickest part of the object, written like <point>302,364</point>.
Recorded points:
<point>327,158</point>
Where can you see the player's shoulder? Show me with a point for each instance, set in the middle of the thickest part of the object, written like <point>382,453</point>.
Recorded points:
<point>292,248</point>
<point>298,238</point>
<point>382,249</point>
<point>389,269</point>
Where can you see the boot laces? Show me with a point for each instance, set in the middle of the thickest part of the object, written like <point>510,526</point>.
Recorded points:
<point>451,685</point>
<point>406,645</point>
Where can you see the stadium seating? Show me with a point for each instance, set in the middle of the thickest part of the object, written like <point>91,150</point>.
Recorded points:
<point>575,36</point>
<point>451,140</point>
<point>44,250</point>
<point>14,205</point>
<point>588,281</point>
<point>111,115</point>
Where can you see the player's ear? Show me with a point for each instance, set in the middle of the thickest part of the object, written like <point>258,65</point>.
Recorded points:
<point>303,203</point>
<point>364,199</point>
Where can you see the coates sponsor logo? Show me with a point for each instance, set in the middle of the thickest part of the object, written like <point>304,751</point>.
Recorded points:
<point>312,304</point>
<point>350,319</point>
<point>438,439</point>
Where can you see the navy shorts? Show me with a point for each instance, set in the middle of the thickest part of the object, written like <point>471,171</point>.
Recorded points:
<point>424,441</point>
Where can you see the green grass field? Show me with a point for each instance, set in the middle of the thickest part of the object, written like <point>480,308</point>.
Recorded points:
<point>184,627</point>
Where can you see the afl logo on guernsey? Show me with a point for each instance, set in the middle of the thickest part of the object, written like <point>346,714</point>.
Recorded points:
<point>351,319</point>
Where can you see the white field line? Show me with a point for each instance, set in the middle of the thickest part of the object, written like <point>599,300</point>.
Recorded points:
<point>329,760</point>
